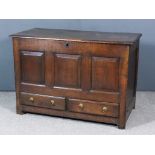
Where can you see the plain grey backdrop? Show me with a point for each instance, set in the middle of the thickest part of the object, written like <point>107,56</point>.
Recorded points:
<point>146,74</point>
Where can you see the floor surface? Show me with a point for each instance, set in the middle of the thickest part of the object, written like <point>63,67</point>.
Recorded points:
<point>141,120</point>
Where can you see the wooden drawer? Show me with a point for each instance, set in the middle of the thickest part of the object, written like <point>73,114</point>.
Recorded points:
<point>43,101</point>
<point>91,107</point>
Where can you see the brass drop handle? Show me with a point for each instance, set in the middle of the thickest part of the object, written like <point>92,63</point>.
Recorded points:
<point>104,109</point>
<point>52,102</point>
<point>81,106</point>
<point>31,99</point>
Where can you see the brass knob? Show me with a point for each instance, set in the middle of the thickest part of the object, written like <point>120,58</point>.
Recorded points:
<point>104,109</point>
<point>81,106</point>
<point>52,102</point>
<point>31,99</point>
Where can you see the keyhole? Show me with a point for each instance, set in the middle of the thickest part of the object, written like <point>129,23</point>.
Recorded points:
<point>67,44</point>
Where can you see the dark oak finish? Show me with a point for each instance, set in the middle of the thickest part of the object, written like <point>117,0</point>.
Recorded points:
<point>35,60</point>
<point>67,70</point>
<point>76,74</point>
<point>60,34</point>
<point>43,101</point>
<point>91,107</point>
<point>105,73</point>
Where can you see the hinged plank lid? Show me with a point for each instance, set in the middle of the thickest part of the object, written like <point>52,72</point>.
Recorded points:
<point>76,35</point>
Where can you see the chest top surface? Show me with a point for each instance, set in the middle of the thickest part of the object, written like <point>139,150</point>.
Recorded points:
<point>76,35</point>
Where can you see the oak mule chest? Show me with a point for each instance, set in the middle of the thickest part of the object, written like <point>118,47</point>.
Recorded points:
<point>76,74</point>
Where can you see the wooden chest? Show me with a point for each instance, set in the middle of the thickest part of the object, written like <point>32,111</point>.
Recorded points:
<point>76,74</point>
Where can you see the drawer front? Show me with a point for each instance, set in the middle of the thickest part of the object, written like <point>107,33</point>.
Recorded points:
<point>43,101</point>
<point>91,107</point>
